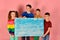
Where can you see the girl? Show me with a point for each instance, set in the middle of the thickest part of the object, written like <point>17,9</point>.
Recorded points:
<point>11,17</point>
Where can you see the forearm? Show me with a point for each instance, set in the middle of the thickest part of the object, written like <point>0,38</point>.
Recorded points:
<point>47,31</point>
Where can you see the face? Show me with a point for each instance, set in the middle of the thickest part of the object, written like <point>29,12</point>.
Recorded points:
<point>13,14</point>
<point>28,8</point>
<point>37,12</point>
<point>47,16</point>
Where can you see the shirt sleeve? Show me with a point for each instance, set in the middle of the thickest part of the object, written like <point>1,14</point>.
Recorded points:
<point>23,14</point>
<point>50,24</point>
<point>32,15</point>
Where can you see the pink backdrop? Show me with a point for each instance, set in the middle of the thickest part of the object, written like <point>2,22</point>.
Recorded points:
<point>52,6</point>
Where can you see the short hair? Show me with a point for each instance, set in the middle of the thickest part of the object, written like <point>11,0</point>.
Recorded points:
<point>38,10</point>
<point>47,13</point>
<point>9,15</point>
<point>29,5</point>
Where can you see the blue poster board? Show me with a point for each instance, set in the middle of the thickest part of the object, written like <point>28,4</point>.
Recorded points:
<point>29,27</point>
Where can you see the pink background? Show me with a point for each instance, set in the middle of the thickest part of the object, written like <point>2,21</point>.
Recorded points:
<point>52,6</point>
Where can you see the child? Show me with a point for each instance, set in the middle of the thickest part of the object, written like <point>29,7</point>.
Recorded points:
<point>47,26</point>
<point>37,16</point>
<point>11,17</point>
<point>27,14</point>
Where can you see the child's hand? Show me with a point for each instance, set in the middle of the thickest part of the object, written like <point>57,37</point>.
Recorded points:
<point>24,17</point>
<point>40,38</point>
<point>43,36</point>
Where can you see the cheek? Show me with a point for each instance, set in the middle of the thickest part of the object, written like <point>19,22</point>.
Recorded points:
<point>28,9</point>
<point>45,17</point>
<point>14,15</point>
<point>37,13</point>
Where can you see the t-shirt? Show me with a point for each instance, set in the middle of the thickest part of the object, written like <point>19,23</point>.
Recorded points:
<point>28,15</point>
<point>46,26</point>
<point>11,23</point>
<point>38,16</point>
<point>11,26</point>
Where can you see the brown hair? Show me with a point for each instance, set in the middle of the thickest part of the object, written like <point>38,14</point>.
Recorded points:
<point>29,5</point>
<point>9,15</point>
<point>47,13</point>
<point>38,10</point>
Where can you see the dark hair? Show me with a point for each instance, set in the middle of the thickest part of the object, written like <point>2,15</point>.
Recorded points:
<point>47,13</point>
<point>9,15</point>
<point>38,10</point>
<point>29,5</point>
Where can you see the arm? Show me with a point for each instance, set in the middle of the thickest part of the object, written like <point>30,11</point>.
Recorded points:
<point>32,15</point>
<point>24,15</point>
<point>47,31</point>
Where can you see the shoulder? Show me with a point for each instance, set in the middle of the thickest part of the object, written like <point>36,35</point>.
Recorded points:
<point>41,16</point>
<point>50,22</point>
<point>24,13</point>
<point>32,13</point>
<point>11,20</point>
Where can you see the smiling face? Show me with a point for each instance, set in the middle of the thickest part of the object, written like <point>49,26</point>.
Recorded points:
<point>28,8</point>
<point>13,15</point>
<point>47,17</point>
<point>37,12</point>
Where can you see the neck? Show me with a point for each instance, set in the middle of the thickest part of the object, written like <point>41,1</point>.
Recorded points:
<point>13,18</point>
<point>47,20</point>
<point>28,11</point>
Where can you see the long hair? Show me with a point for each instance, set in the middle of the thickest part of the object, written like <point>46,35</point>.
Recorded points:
<point>9,15</point>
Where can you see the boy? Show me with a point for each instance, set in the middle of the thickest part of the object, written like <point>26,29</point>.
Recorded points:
<point>47,26</point>
<point>37,15</point>
<point>27,14</point>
